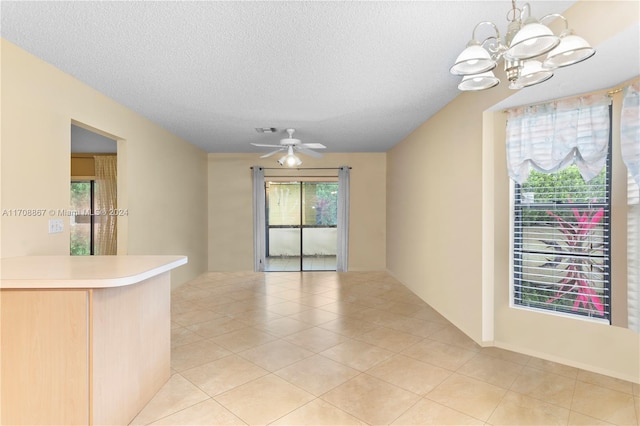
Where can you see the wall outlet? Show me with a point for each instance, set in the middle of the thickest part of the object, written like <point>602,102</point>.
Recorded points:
<point>56,226</point>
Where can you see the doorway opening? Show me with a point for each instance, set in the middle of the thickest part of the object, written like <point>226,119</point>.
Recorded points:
<point>93,218</point>
<point>301,221</point>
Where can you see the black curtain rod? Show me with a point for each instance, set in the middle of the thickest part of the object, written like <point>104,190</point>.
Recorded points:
<point>301,168</point>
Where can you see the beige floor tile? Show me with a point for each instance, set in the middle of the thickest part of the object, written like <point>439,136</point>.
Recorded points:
<point>605,404</point>
<point>224,374</point>
<point>605,381</point>
<point>182,336</point>
<point>410,374</point>
<point>553,367</point>
<point>213,300</point>
<point>518,409</point>
<point>371,400</point>
<point>453,336</point>
<point>491,370</point>
<point>192,317</point>
<point>243,339</point>
<point>439,354</point>
<point>282,327</point>
<point>273,347</point>
<point>314,316</point>
<point>287,308</point>
<point>264,400</point>
<point>316,339</point>
<point>288,294</point>
<point>406,308</point>
<point>217,326</point>
<point>548,387</point>
<point>315,300</point>
<point>343,307</point>
<point>358,355</point>
<point>318,413</point>
<point>429,413</point>
<point>349,327</point>
<point>506,355</point>
<point>377,316</point>
<point>275,355</point>
<point>255,316</point>
<point>239,307</point>
<point>467,395</point>
<point>205,413</point>
<point>194,354</point>
<point>177,394</point>
<point>317,374</point>
<point>579,419</point>
<point>393,340</point>
<point>417,327</point>
<point>430,314</point>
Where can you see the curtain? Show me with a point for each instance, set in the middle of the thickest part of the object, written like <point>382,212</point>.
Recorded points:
<point>342,256</point>
<point>259,224</point>
<point>106,203</point>
<point>630,148</point>
<point>551,137</point>
<point>630,129</point>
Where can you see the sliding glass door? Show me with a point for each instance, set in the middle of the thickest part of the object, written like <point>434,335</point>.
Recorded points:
<point>301,225</point>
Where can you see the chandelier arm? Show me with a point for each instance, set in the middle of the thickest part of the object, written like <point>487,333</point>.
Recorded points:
<point>494,26</point>
<point>494,46</point>
<point>556,15</point>
<point>526,7</point>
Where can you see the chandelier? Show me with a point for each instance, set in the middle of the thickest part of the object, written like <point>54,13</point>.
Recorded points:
<point>526,41</point>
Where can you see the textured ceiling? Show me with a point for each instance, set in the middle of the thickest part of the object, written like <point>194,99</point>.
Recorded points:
<point>354,76</point>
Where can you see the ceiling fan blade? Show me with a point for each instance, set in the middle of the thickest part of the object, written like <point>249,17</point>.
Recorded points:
<point>261,144</point>
<point>271,153</point>
<point>307,151</point>
<point>313,145</point>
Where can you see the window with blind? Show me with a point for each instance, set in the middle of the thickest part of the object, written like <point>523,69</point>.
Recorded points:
<point>559,156</point>
<point>561,242</point>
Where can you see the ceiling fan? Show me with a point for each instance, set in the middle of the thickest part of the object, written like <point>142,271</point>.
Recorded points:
<point>291,146</point>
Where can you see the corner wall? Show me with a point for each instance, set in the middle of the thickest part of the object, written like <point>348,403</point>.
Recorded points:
<point>231,217</point>
<point>161,178</point>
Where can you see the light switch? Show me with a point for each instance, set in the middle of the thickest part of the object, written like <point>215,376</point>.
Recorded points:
<point>56,226</point>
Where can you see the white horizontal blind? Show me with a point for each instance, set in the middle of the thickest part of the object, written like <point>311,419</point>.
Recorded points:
<point>562,242</point>
<point>633,253</point>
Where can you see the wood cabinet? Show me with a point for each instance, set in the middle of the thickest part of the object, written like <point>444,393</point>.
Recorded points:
<point>83,355</point>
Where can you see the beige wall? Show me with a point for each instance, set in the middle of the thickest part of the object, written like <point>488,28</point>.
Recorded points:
<point>161,178</point>
<point>447,226</point>
<point>230,208</point>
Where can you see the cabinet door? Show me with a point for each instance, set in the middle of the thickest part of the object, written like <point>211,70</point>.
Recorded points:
<point>45,357</point>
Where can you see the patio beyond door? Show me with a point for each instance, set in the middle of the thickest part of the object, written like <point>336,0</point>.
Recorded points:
<point>301,225</point>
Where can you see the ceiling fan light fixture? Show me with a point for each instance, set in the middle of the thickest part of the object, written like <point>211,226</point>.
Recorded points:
<point>290,160</point>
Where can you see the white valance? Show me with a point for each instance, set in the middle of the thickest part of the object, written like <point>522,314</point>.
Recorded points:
<point>552,136</point>
<point>630,129</point>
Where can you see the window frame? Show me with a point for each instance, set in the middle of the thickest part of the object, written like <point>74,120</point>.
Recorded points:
<point>515,263</point>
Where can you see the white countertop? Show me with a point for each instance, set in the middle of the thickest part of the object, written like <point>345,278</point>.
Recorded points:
<point>82,271</point>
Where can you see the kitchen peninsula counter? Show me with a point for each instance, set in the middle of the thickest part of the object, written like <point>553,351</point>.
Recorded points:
<point>84,339</point>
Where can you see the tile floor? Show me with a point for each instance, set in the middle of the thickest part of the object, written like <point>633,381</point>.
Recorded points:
<point>326,348</point>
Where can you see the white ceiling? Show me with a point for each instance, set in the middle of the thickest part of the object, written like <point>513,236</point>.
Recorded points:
<point>354,76</point>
